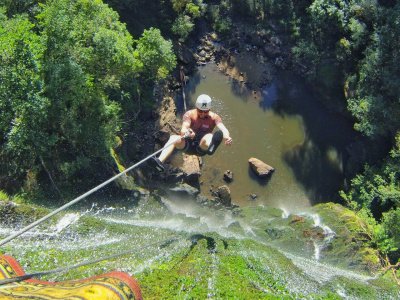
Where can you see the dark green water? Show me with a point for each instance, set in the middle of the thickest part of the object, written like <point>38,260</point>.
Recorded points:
<point>285,127</point>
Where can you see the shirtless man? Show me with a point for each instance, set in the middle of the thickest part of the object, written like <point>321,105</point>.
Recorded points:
<point>196,136</point>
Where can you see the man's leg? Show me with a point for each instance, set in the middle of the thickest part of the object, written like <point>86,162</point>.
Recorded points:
<point>210,142</point>
<point>205,142</point>
<point>215,142</point>
<point>174,141</point>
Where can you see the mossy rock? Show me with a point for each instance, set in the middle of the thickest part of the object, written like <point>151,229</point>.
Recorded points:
<point>12,214</point>
<point>351,238</point>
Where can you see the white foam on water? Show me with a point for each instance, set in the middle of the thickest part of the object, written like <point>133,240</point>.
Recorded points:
<point>66,221</point>
<point>328,233</point>
<point>213,278</point>
<point>322,272</point>
<point>167,223</point>
<point>285,213</point>
<point>317,250</point>
<point>186,217</point>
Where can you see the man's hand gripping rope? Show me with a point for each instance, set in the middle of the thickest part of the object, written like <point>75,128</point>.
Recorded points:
<point>189,134</point>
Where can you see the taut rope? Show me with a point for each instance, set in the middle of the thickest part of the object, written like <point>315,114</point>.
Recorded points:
<point>13,236</point>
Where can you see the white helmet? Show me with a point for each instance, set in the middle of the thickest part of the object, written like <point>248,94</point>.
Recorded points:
<point>203,102</point>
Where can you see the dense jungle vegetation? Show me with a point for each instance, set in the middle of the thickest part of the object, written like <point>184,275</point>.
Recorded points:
<point>74,80</point>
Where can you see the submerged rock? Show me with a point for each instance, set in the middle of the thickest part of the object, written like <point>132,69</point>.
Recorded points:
<point>228,176</point>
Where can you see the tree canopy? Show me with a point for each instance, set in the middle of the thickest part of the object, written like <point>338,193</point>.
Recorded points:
<point>64,71</point>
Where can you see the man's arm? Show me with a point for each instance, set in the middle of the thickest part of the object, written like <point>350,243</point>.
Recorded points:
<point>186,131</point>
<point>185,127</point>
<point>225,132</point>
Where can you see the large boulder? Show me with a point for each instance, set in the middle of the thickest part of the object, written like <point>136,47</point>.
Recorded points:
<point>184,54</point>
<point>260,168</point>
<point>191,168</point>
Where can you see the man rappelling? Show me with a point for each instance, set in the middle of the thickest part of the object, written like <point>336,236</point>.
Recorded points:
<point>196,136</point>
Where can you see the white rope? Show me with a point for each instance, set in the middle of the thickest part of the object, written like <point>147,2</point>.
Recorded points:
<point>184,99</point>
<point>13,236</point>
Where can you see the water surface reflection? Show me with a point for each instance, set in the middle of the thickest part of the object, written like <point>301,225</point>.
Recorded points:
<point>285,127</point>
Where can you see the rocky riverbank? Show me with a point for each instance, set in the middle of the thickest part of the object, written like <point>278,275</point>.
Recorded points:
<point>251,58</point>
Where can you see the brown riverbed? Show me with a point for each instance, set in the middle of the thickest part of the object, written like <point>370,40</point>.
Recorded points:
<point>284,126</point>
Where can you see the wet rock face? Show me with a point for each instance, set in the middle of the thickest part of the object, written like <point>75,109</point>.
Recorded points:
<point>185,55</point>
<point>185,189</point>
<point>228,176</point>
<point>224,195</point>
<point>260,168</point>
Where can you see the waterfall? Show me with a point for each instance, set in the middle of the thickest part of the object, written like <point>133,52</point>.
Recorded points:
<point>213,254</point>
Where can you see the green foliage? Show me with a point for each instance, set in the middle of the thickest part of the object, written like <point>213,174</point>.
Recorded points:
<point>3,196</point>
<point>88,53</point>
<point>155,55</point>
<point>221,22</point>
<point>23,106</point>
<point>182,26</point>
<point>223,26</point>
<point>378,188</point>
<point>13,7</point>
<point>194,8</point>
<point>179,5</point>
<point>329,13</point>
<point>378,237</point>
<point>378,183</point>
<point>358,32</point>
<point>375,105</point>
<point>63,82</point>
<point>308,55</point>
<point>361,39</point>
<point>384,243</point>
<point>188,11</point>
<point>69,71</point>
<point>391,226</point>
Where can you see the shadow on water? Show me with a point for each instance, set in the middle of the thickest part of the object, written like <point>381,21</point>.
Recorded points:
<point>239,89</point>
<point>260,181</point>
<point>283,125</point>
<point>189,89</point>
<point>319,162</point>
<point>269,96</point>
<point>211,244</point>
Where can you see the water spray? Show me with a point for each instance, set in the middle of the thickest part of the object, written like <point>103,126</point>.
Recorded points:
<point>163,244</point>
<point>34,224</point>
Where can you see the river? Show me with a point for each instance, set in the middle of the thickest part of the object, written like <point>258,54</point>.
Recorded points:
<point>284,126</point>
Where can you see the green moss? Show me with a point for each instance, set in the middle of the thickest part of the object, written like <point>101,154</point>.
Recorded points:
<point>12,213</point>
<point>90,224</point>
<point>125,182</point>
<point>207,265</point>
<point>351,242</point>
<point>354,289</point>
<point>3,196</point>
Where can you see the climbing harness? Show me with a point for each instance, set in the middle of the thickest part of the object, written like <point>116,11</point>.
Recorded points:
<point>164,244</point>
<point>13,236</point>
